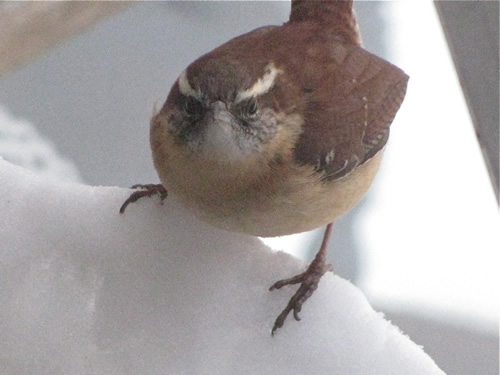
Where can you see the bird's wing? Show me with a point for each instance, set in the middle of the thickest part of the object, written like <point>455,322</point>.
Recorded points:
<point>349,107</point>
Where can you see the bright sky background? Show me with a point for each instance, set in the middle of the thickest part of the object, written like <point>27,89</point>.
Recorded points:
<point>431,231</point>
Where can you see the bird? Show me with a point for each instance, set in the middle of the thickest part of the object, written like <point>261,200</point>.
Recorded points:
<point>278,131</point>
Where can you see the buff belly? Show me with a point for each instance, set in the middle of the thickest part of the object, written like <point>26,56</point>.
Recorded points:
<point>296,203</point>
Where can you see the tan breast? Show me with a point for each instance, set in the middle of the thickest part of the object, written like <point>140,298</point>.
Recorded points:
<point>257,198</point>
<point>300,204</point>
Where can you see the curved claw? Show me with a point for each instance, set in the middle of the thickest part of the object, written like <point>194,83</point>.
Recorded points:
<point>280,320</point>
<point>296,313</point>
<point>292,280</point>
<point>148,190</point>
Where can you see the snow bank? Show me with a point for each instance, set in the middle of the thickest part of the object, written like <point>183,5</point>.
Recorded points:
<point>22,144</point>
<point>84,290</point>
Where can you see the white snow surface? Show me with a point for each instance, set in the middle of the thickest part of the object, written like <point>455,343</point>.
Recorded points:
<point>84,290</point>
<point>22,144</point>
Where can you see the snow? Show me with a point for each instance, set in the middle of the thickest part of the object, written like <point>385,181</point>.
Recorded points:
<point>21,144</point>
<point>85,290</point>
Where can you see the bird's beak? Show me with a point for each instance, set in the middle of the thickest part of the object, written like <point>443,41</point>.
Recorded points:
<point>220,113</point>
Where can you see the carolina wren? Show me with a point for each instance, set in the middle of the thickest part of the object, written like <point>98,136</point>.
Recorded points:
<point>278,131</point>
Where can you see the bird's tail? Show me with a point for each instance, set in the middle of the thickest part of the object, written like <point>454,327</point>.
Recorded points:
<point>336,16</point>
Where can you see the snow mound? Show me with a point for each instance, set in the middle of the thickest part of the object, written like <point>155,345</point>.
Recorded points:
<point>85,290</point>
<point>22,144</point>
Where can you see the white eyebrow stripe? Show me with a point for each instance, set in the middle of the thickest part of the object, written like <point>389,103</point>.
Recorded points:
<point>263,84</point>
<point>184,86</point>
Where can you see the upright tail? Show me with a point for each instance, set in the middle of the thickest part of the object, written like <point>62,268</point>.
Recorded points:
<point>336,16</point>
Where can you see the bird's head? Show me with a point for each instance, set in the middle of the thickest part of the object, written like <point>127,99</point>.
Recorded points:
<point>227,112</point>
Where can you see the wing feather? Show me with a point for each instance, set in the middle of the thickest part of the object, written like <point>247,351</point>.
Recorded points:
<point>349,110</point>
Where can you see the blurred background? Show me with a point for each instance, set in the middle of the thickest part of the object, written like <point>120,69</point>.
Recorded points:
<point>423,245</point>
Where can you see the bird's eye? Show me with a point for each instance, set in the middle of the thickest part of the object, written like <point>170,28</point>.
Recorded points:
<point>251,107</point>
<point>193,106</point>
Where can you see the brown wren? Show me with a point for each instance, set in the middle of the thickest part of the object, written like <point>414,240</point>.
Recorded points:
<point>278,131</point>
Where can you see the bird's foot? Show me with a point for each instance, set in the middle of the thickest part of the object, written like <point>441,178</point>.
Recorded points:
<point>146,190</point>
<point>309,281</point>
